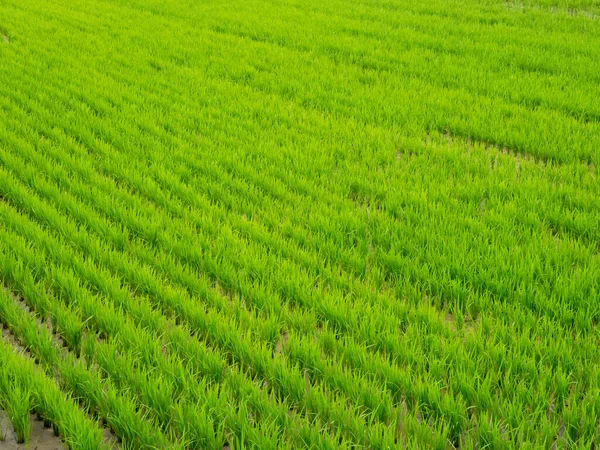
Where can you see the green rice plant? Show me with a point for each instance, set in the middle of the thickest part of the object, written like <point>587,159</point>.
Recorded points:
<point>114,372</point>
<point>17,404</point>
<point>87,385</point>
<point>31,390</point>
<point>299,397</point>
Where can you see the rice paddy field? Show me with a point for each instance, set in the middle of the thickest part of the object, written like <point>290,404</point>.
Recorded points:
<point>315,224</point>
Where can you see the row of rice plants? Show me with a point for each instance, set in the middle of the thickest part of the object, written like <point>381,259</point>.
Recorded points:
<point>26,388</point>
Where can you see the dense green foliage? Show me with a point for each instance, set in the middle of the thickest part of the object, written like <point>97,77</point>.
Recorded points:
<point>301,223</point>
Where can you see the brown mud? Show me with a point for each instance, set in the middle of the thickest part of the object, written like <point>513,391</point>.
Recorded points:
<point>40,439</point>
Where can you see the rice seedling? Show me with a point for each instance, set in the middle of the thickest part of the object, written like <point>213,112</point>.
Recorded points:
<point>17,404</point>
